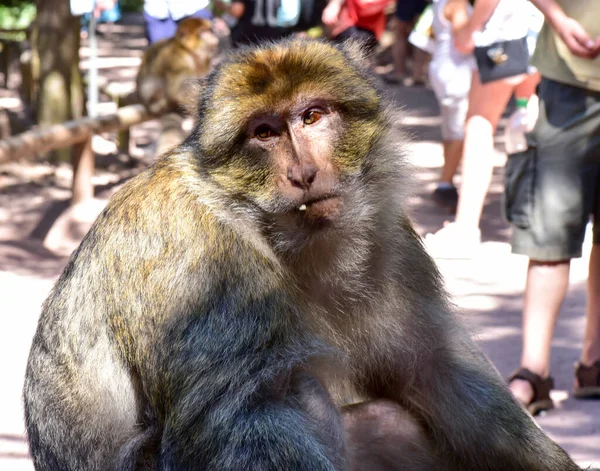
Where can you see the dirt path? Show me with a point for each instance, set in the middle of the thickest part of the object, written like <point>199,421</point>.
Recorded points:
<point>488,288</point>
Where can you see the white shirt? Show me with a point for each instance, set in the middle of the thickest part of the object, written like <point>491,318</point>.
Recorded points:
<point>176,9</point>
<point>509,21</point>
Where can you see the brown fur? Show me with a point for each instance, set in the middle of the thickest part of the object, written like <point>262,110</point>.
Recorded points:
<point>232,299</point>
<point>169,66</point>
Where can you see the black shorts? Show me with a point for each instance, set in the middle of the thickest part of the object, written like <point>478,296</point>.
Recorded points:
<point>553,188</point>
<point>409,10</point>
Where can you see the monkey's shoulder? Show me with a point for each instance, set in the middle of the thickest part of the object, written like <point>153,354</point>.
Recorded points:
<point>152,52</point>
<point>157,236</point>
<point>168,216</point>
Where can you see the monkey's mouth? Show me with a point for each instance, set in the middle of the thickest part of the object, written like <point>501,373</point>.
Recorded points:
<point>320,209</point>
<point>311,202</point>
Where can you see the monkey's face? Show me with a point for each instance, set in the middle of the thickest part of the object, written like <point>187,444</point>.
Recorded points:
<point>197,35</point>
<point>288,128</point>
<point>296,149</point>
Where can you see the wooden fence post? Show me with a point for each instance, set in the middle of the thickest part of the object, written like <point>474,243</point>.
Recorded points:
<point>83,170</point>
<point>124,135</point>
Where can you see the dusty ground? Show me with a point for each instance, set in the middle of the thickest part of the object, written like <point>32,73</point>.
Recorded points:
<point>487,289</point>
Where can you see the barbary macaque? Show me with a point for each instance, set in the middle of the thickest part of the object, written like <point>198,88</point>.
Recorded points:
<point>230,299</point>
<point>169,66</point>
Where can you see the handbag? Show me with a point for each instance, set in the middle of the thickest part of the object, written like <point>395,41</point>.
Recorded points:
<point>502,59</point>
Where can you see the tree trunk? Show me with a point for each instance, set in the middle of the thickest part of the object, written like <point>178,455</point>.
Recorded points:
<point>56,41</point>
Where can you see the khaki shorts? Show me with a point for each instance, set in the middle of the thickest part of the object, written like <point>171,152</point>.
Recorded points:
<point>553,188</point>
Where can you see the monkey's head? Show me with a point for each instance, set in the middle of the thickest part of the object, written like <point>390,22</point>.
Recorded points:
<point>292,129</point>
<point>196,34</point>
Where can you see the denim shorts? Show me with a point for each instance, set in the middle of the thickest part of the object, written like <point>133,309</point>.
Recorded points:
<point>553,188</point>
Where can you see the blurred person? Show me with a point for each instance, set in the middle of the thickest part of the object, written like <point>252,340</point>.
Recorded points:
<point>450,77</point>
<point>360,19</point>
<point>492,21</point>
<point>257,20</point>
<point>560,172</point>
<point>252,21</point>
<point>105,11</point>
<point>161,16</point>
<point>406,15</point>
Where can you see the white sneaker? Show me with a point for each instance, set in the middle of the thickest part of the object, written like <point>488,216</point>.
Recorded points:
<point>453,242</point>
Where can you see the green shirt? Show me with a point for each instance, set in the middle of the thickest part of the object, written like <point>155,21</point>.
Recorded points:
<point>554,60</point>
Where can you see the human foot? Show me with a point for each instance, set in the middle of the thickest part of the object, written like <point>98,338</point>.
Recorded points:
<point>392,78</point>
<point>446,196</point>
<point>522,390</point>
<point>453,241</point>
<point>413,82</point>
<point>587,381</point>
<point>532,390</point>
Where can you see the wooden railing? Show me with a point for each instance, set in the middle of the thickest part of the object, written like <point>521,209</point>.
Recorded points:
<point>77,134</point>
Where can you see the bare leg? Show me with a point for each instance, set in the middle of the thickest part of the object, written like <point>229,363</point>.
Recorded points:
<point>545,291</point>
<point>486,104</point>
<point>591,339</point>
<point>527,87</point>
<point>452,155</point>
<point>420,59</point>
<point>400,48</point>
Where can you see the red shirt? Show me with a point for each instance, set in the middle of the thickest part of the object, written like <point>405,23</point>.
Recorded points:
<point>366,14</point>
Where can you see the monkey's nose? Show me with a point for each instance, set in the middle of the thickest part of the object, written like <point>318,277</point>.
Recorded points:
<point>302,176</point>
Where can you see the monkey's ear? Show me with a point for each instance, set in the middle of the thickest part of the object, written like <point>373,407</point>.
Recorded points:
<point>193,88</point>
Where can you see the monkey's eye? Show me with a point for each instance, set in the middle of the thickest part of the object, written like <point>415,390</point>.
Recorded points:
<point>311,117</point>
<point>264,132</point>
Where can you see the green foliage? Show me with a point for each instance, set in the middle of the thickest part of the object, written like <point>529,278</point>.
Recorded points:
<point>17,3</point>
<point>16,14</point>
<point>131,5</point>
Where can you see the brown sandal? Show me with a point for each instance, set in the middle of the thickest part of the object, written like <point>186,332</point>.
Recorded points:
<point>587,381</point>
<point>541,390</point>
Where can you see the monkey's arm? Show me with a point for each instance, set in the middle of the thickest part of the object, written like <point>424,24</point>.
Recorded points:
<point>454,390</point>
<point>490,431</point>
<point>215,337</point>
<point>227,372</point>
